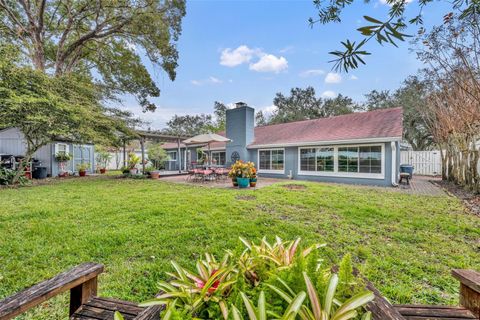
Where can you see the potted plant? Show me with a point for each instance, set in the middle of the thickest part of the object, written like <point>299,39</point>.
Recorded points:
<point>253,177</point>
<point>152,172</point>
<point>240,170</point>
<point>133,161</point>
<point>62,158</point>
<point>82,168</point>
<point>103,158</point>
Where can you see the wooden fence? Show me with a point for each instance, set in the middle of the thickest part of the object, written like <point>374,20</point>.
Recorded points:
<point>427,163</point>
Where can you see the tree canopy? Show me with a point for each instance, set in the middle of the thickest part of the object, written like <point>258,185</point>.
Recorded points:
<point>102,39</point>
<point>46,108</point>
<point>303,104</point>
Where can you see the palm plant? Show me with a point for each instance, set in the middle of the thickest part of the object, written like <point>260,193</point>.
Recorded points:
<point>190,291</point>
<point>327,308</point>
<point>260,311</point>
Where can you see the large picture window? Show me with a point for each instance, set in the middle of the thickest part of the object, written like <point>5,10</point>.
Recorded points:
<point>361,161</point>
<point>271,160</point>
<point>317,159</point>
<point>348,159</point>
<point>370,159</point>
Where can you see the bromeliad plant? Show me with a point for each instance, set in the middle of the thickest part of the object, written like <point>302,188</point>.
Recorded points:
<point>191,291</point>
<point>265,256</point>
<point>226,289</point>
<point>328,308</point>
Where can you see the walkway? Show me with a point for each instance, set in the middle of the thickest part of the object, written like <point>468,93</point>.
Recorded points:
<point>422,185</point>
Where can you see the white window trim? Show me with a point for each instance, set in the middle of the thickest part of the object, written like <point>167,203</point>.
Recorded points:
<point>169,158</point>
<point>57,147</point>
<point>271,171</point>
<point>214,152</point>
<point>339,174</point>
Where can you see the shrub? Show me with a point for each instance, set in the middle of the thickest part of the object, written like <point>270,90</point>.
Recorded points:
<point>7,176</point>
<point>280,279</point>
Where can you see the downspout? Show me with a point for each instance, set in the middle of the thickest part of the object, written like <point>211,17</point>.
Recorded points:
<point>179,156</point>
<point>393,146</point>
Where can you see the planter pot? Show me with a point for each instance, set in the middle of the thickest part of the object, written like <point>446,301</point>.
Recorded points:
<point>235,182</point>
<point>82,173</point>
<point>103,170</point>
<point>243,182</point>
<point>154,174</point>
<point>253,182</point>
<point>133,171</point>
<point>63,174</point>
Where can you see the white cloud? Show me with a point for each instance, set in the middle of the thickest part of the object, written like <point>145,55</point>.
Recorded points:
<point>269,109</point>
<point>353,77</point>
<point>329,94</point>
<point>333,77</point>
<point>312,73</point>
<point>209,80</point>
<point>234,57</point>
<point>265,62</point>
<point>270,63</point>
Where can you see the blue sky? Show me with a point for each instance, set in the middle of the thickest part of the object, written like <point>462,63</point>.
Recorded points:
<point>249,50</point>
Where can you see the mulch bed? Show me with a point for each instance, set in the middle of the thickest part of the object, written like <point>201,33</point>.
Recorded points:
<point>470,200</point>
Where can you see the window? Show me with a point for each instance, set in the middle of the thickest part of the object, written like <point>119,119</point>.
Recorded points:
<point>325,159</point>
<point>370,159</point>
<point>61,148</point>
<point>317,159</point>
<point>172,155</point>
<point>218,158</point>
<point>348,159</point>
<point>272,160</point>
<point>307,159</point>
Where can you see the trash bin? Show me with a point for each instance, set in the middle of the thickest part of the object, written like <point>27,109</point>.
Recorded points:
<point>407,168</point>
<point>40,173</point>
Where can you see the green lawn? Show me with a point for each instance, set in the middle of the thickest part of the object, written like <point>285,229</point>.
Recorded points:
<point>405,244</point>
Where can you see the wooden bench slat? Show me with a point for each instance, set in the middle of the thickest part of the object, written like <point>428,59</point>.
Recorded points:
<point>33,296</point>
<point>115,305</point>
<point>470,278</point>
<point>435,312</point>
<point>380,308</point>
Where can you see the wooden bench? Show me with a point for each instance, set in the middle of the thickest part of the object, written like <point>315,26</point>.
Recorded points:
<point>469,303</point>
<point>84,303</point>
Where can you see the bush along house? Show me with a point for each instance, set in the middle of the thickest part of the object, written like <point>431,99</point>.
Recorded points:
<point>357,148</point>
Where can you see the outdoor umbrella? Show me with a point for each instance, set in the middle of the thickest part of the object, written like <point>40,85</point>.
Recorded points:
<point>206,138</point>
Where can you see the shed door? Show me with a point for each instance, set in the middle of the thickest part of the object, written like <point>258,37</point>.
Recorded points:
<point>82,154</point>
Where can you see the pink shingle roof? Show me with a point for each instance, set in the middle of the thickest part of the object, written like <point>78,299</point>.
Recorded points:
<point>385,123</point>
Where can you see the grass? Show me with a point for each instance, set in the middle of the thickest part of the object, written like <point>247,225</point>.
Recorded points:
<point>405,244</point>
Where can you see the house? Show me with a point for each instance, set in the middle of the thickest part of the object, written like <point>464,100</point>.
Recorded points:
<point>12,142</point>
<point>358,148</point>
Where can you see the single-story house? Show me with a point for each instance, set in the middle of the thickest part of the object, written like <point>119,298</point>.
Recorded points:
<point>359,148</point>
<point>12,142</point>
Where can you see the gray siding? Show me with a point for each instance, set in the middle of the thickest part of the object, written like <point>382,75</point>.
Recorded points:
<point>291,167</point>
<point>240,129</point>
<point>12,141</point>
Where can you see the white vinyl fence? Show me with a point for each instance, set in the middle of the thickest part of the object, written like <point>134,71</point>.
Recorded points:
<point>427,163</point>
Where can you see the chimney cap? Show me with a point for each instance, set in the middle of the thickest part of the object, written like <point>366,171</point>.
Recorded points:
<point>240,104</point>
